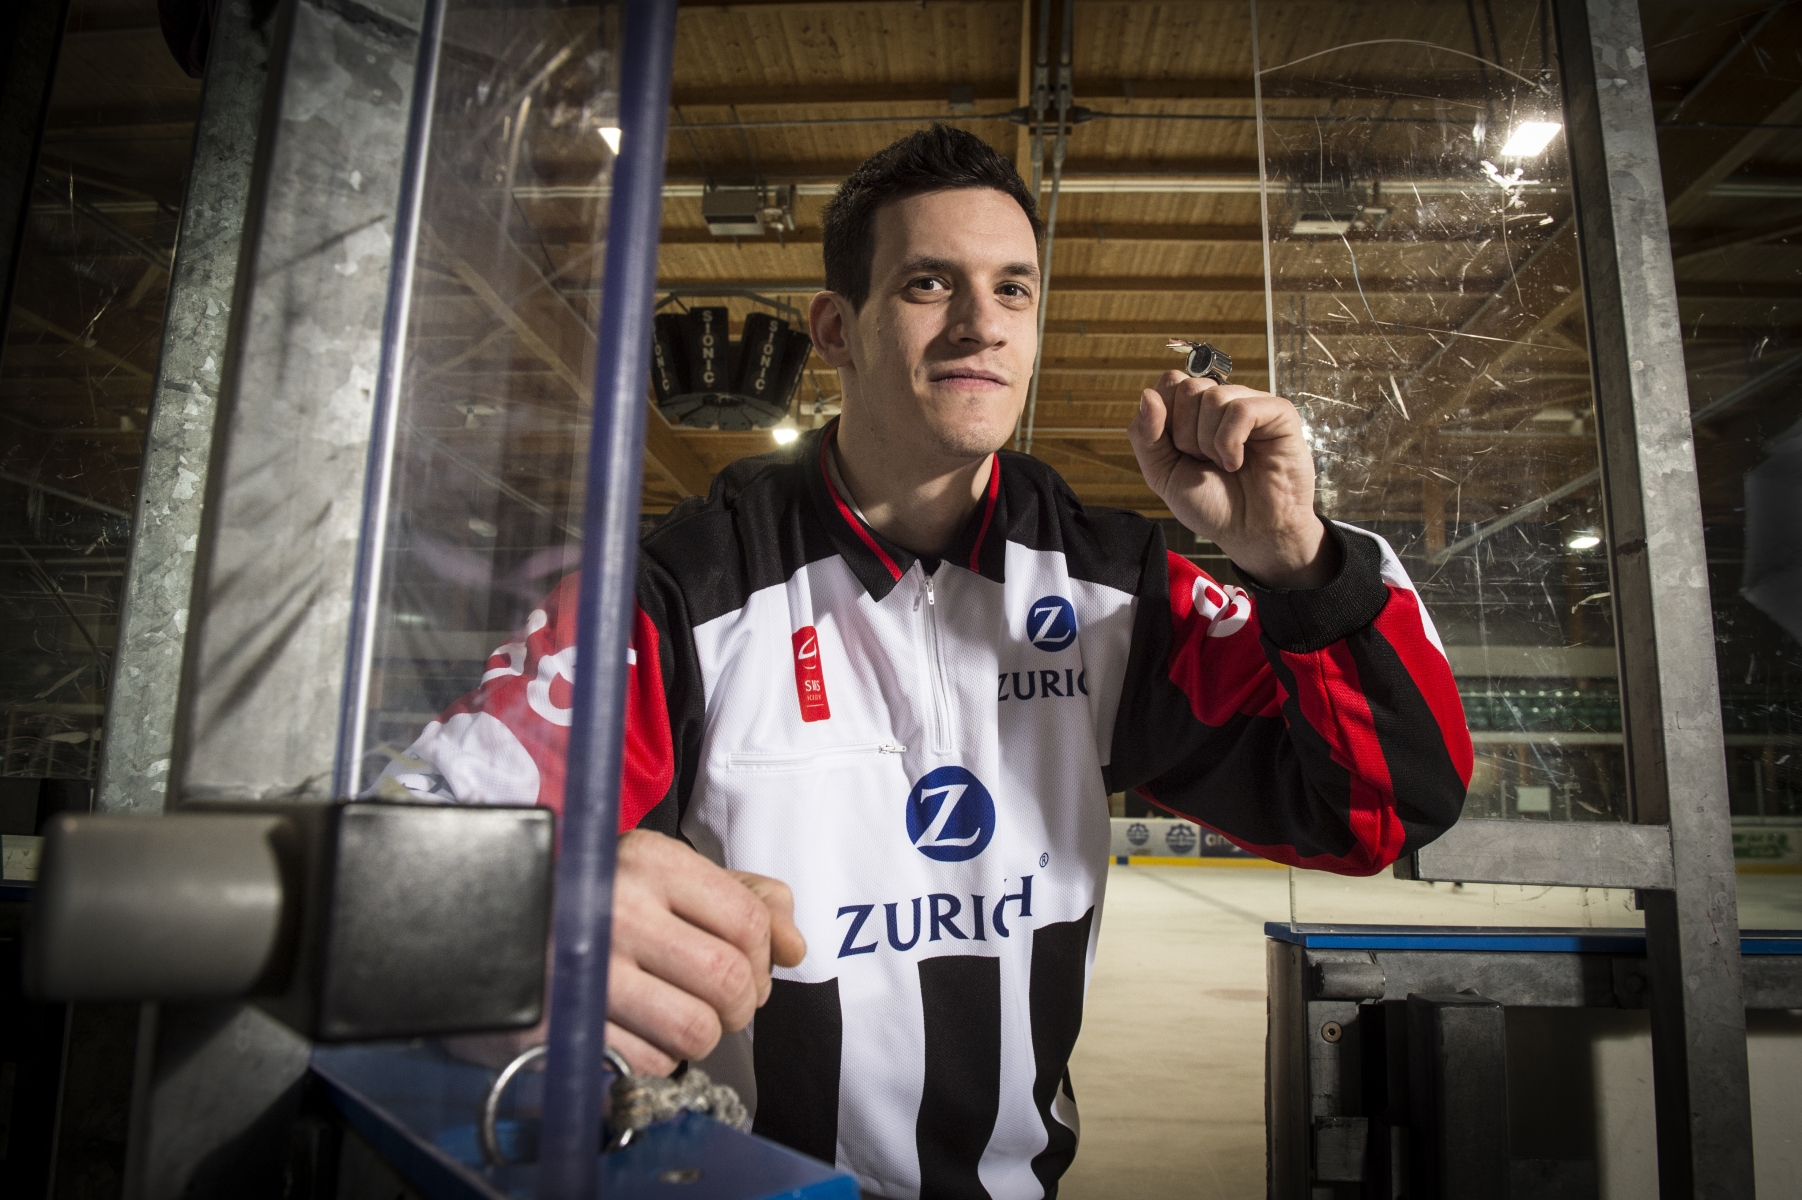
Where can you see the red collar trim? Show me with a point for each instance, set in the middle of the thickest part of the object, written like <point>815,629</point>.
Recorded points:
<point>988,512</point>
<point>851,518</point>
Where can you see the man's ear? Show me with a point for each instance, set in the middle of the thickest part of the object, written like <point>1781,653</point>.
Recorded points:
<point>829,320</point>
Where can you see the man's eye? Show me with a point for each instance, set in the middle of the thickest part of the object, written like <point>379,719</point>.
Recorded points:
<point>1015,289</point>
<point>927,283</point>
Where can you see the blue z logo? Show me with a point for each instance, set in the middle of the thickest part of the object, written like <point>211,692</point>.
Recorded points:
<point>950,815</point>
<point>1051,623</point>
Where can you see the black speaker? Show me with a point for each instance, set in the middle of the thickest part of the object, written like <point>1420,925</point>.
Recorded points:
<point>705,381</point>
<point>709,350</point>
<point>760,357</point>
<point>794,362</point>
<point>669,365</point>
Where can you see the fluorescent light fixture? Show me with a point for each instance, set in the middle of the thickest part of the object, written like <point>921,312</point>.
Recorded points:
<point>1584,541</point>
<point>610,135</point>
<point>1529,138</point>
<point>785,432</point>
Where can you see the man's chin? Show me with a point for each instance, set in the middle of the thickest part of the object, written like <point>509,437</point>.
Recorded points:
<point>971,439</point>
<point>972,444</point>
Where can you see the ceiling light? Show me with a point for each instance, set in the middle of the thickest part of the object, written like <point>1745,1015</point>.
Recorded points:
<point>610,135</point>
<point>1584,541</point>
<point>785,432</point>
<point>1529,138</point>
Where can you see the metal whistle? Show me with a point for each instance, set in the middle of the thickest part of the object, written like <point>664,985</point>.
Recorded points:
<point>1204,359</point>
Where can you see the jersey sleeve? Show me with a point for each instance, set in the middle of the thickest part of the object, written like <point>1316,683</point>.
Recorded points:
<point>1318,728</point>
<point>507,741</point>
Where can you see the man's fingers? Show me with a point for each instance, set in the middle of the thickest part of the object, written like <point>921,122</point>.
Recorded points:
<point>706,895</point>
<point>706,967</point>
<point>674,1022</point>
<point>644,1058</point>
<point>1233,422</point>
<point>787,946</point>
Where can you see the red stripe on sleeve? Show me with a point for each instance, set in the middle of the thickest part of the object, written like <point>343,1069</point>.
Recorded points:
<point>1331,700</point>
<point>649,763</point>
<point>1402,628</point>
<point>1217,659</point>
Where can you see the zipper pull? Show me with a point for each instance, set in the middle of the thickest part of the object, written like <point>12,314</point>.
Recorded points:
<point>929,597</point>
<point>891,748</point>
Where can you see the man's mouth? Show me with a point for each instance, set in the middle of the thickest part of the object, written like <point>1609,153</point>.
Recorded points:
<point>969,377</point>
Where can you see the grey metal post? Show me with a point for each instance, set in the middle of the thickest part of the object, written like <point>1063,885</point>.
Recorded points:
<point>159,575</point>
<point>274,596</point>
<point>274,572</point>
<point>1675,753</point>
<point>31,37</point>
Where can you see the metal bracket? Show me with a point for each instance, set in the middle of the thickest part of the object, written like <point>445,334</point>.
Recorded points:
<point>1569,854</point>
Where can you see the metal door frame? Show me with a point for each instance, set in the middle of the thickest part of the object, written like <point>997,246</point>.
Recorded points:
<point>1678,851</point>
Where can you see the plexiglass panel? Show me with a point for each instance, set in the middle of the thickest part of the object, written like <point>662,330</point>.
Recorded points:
<point>491,416</point>
<point>481,512</point>
<point>1735,207</point>
<point>1426,310</point>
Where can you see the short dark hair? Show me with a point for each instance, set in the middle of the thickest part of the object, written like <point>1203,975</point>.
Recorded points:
<point>927,160</point>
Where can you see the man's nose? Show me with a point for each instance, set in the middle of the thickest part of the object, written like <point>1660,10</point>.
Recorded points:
<point>977,320</point>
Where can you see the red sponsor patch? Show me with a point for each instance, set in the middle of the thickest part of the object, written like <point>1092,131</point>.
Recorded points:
<point>810,683</point>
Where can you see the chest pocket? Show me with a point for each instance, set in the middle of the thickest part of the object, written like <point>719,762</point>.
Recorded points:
<point>824,757</point>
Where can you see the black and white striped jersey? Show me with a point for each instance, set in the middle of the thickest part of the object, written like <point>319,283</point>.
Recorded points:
<point>922,751</point>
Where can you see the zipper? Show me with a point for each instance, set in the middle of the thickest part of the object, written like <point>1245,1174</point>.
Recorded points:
<point>752,760</point>
<point>941,703</point>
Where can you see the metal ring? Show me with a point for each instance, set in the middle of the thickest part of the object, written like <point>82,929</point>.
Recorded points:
<point>621,1070</point>
<point>491,1149</point>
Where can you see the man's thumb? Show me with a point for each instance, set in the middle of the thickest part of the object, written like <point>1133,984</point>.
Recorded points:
<point>1147,425</point>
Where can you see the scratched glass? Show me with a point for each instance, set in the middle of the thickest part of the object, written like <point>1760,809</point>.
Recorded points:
<point>1735,211</point>
<point>492,412</point>
<point>1426,315</point>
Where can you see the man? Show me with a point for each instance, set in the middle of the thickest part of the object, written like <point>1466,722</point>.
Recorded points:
<point>899,672</point>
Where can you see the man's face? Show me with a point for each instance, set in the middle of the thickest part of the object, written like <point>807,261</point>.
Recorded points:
<point>940,356</point>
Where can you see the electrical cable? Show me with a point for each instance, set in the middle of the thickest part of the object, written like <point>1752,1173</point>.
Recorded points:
<point>1064,99</point>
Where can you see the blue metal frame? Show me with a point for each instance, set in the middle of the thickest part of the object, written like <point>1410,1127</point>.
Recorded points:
<point>418,1108</point>
<point>575,1084</point>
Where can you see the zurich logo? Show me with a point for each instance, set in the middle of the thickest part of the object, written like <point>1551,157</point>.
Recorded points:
<point>1051,623</point>
<point>950,815</point>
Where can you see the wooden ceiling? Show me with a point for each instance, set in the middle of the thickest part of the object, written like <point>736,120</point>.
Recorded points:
<point>1159,233</point>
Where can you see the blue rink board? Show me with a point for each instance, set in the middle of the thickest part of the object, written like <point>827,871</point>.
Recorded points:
<point>1503,941</point>
<point>418,1107</point>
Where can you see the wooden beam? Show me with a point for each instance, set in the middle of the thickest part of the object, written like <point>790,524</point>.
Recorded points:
<point>755,101</point>
<point>1090,458</point>
<point>1707,247</point>
<point>1076,170</point>
<point>1170,285</point>
<point>1702,181</point>
<point>30,319</point>
<point>1086,232</point>
<point>683,466</point>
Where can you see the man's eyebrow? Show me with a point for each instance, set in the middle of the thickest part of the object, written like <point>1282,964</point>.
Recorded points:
<point>929,262</point>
